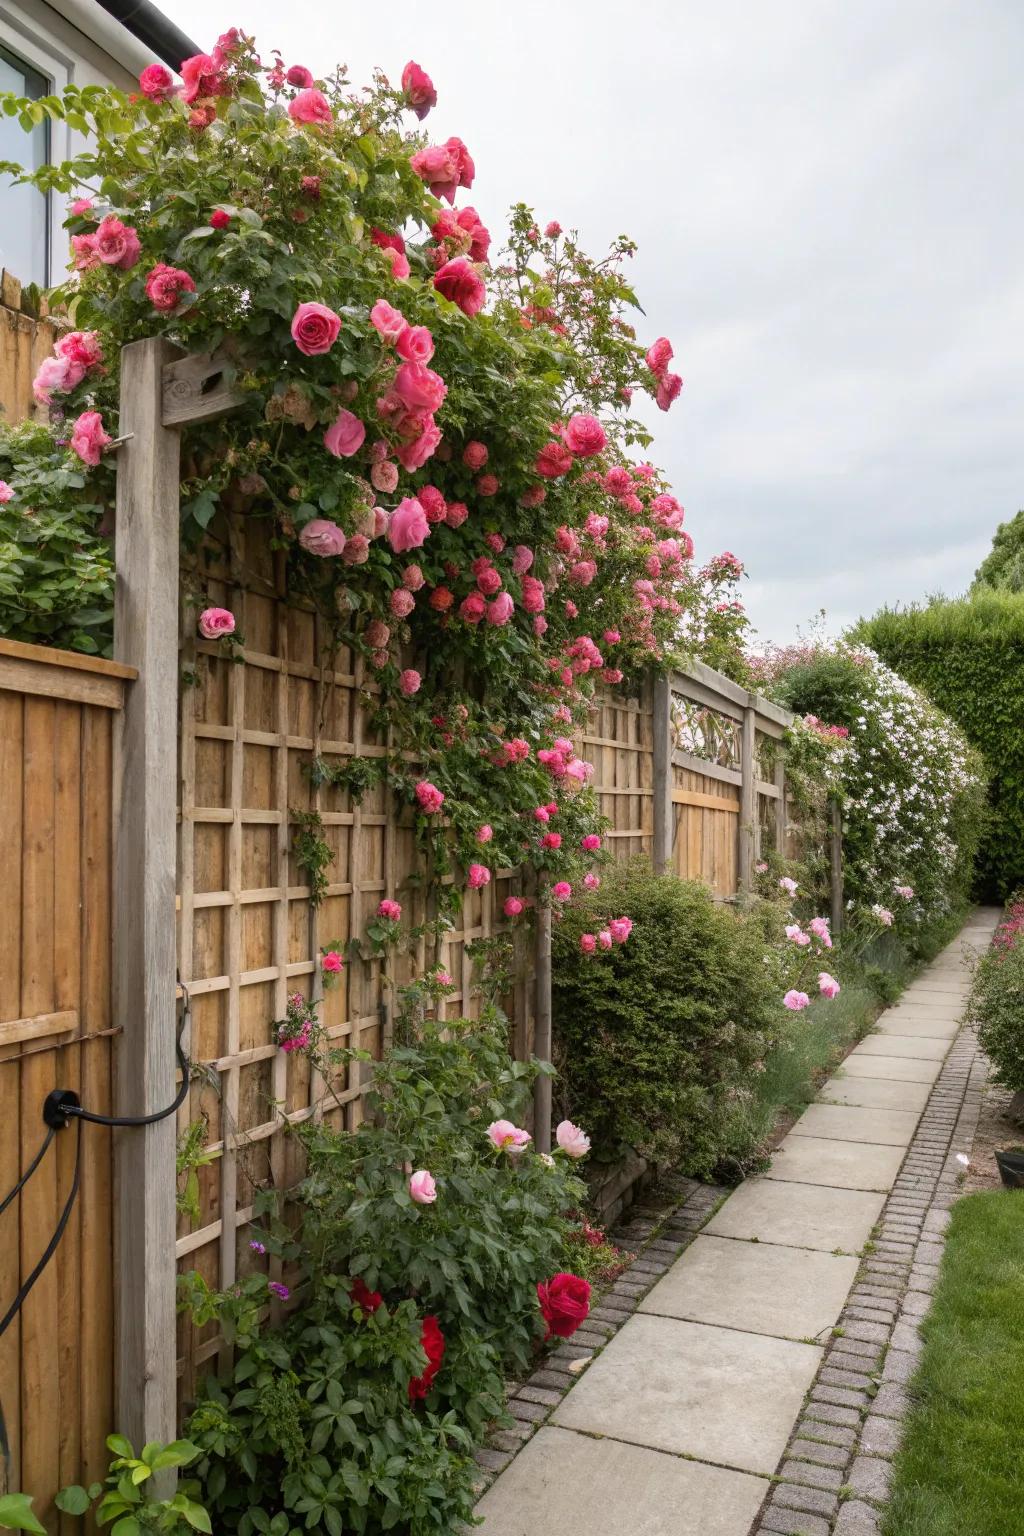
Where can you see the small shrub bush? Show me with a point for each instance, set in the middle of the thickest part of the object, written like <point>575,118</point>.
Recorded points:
<point>997,998</point>
<point>655,1036</point>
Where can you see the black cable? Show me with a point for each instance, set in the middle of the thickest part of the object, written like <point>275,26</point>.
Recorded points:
<point>51,1247</point>
<point>30,1170</point>
<point>78,1113</point>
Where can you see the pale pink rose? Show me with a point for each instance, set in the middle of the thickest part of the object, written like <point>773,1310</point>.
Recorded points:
<point>513,906</point>
<point>422,1187</point>
<point>592,881</point>
<point>788,885</point>
<point>315,328</point>
<point>345,436</point>
<point>573,1142</point>
<point>413,578</point>
<point>322,537</point>
<point>484,833</point>
<point>561,890</point>
<point>795,1001</point>
<point>357,550</point>
<point>419,387</point>
<point>299,75</point>
<point>796,935</point>
<point>387,321</point>
<point>399,264</point>
<point>477,875</point>
<point>604,937</point>
<point>584,436</point>
<point>827,985</point>
<point>611,637</point>
<point>522,559</point>
<point>84,247</point>
<point>429,796</point>
<point>311,106</point>
<point>588,943</point>
<point>506,1137</point>
<point>620,929</point>
<point>116,244</point>
<point>156,82</point>
<point>413,455</point>
<point>88,438</point>
<point>6,493</point>
<point>384,476</point>
<point>401,603</point>
<point>500,609</point>
<point>408,528</point>
<point>82,347</point>
<point>81,205</point>
<point>444,168</point>
<point>418,89</point>
<point>475,455</point>
<point>391,910</point>
<point>409,682</point>
<point>60,374</point>
<point>553,230</point>
<point>415,344</point>
<point>215,623</point>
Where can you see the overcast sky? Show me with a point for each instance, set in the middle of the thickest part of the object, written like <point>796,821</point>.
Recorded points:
<point>828,201</point>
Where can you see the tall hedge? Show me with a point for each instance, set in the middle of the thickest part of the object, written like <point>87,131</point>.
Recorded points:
<point>968,656</point>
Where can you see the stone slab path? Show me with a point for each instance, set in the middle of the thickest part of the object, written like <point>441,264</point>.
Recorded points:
<point>683,1424</point>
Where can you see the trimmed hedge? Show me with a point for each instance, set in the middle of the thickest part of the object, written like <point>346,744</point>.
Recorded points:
<point>968,656</point>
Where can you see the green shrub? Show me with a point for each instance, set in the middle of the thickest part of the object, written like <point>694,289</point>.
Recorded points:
<point>655,1036</point>
<point>997,999</point>
<point>967,655</point>
<point>316,1424</point>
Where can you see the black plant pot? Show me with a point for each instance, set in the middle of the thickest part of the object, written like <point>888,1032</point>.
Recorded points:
<point>1011,1167</point>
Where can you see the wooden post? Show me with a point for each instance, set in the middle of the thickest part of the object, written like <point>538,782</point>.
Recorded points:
<point>663,817</point>
<point>781,809</point>
<point>836,855</point>
<point>146,637</point>
<point>542,1032</point>
<point>748,802</point>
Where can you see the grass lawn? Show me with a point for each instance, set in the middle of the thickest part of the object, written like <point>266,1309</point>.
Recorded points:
<point>959,1472</point>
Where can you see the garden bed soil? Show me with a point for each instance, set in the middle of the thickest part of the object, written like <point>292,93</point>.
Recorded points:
<point>995,1130</point>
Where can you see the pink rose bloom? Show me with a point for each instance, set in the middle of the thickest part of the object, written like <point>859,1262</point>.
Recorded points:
<point>588,943</point>
<point>513,906</point>
<point>391,910</point>
<point>573,1142</point>
<point>477,875</point>
<point>88,438</point>
<point>507,1137</point>
<point>6,493</point>
<point>795,1001</point>
<point>533,595</point>
<point>444,168</point>
<point>331,962</point>
<point>659,355</point>
<point>418,89</point>
<point>618,481</point>
<point>668,390</point>
<point>345,436</point>
<point>409,682</point>
<point>500,609</point>
<point>484,833</point>
<point>377,634</point>
<point>311,106</point>
<point>401,603</point>
<point>591,842</point>
<point>561,890</point>
<point>156,82</point>
<point>56,373</point>
<point>429,796</point>
<point>522,559</point>
<point>203,75</point>
<point>488,485</point>
<point>456,514</point>
<point>796,935</point>
<point>788,885</point>
<point>116,244</point>
<point>459,281</point>
<point>583,572</point>
<point>620,929</point>
<point>420,388</point>
<point>387,321</point>
<point>399,264</point>
<point>357,550</point>
<point>473,608</point>
<point>84,247</point>
<point>475,455</point>
<point>322,537</point>
<point>592,881</point>
<point>554,460</point>
<point>542,814</point>
<point>489,581</point>
<point>408,527</point>
<point>415,344</point>
<point>827,985</point>
<point>495,542</point>
<point>384,476</point>
<point>413,455</point>
<point>534,497</point>
<point>611,637</point>
<point>81,205</point>
<point>413,578</point>
<point>604,937</point>
<point>551,840</point>
<point>315,328</point>
<point>299,75</point>
<point>553,230</point>
<point>422,1187</point>
<point>216,623</point>
<point>584,436</point>
<point>166,285</point>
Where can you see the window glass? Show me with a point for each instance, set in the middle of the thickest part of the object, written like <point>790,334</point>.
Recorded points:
<point>24,211</point>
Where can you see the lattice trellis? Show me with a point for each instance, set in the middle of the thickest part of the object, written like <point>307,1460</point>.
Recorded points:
<point>619,741</point>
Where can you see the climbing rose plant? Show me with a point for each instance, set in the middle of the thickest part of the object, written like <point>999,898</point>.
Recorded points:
<point>440,445</point>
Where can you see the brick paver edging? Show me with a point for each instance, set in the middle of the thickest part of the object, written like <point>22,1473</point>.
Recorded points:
<point>659,1238</point>
<point>834,1477</point>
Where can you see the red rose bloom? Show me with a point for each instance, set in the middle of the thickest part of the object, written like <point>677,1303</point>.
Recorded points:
<point>460,282</point>
<point>564,1303</point>
<point>362,1296</point>
<point>432,1340</point>
<point>553,460</point>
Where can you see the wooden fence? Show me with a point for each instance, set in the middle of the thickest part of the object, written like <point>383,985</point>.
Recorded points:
<point>57,730</point>
<point>25,340</point>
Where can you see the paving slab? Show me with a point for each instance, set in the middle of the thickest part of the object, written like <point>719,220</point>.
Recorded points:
<point>713,1393</point>
<point>798,1215</point>
<point>919,1047</point>
<point>839,1164</point>
<point>902,1069</point>
<point>567,1482</point>
<point>875,1092</point>
<point>918,1027</point>
<point>854,1122</point>
<point>758,1287</point>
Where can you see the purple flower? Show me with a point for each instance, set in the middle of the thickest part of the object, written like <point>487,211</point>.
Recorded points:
<point>278,1289</point>
<point>257,1246</point>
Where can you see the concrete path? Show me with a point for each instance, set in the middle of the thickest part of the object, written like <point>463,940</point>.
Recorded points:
<point>682,1419</point>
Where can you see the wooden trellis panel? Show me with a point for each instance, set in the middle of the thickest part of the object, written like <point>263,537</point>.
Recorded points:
<point>619,741</point>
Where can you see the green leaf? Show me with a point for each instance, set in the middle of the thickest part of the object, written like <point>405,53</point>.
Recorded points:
<point>16,1514</point>
<point>73,1500</point>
